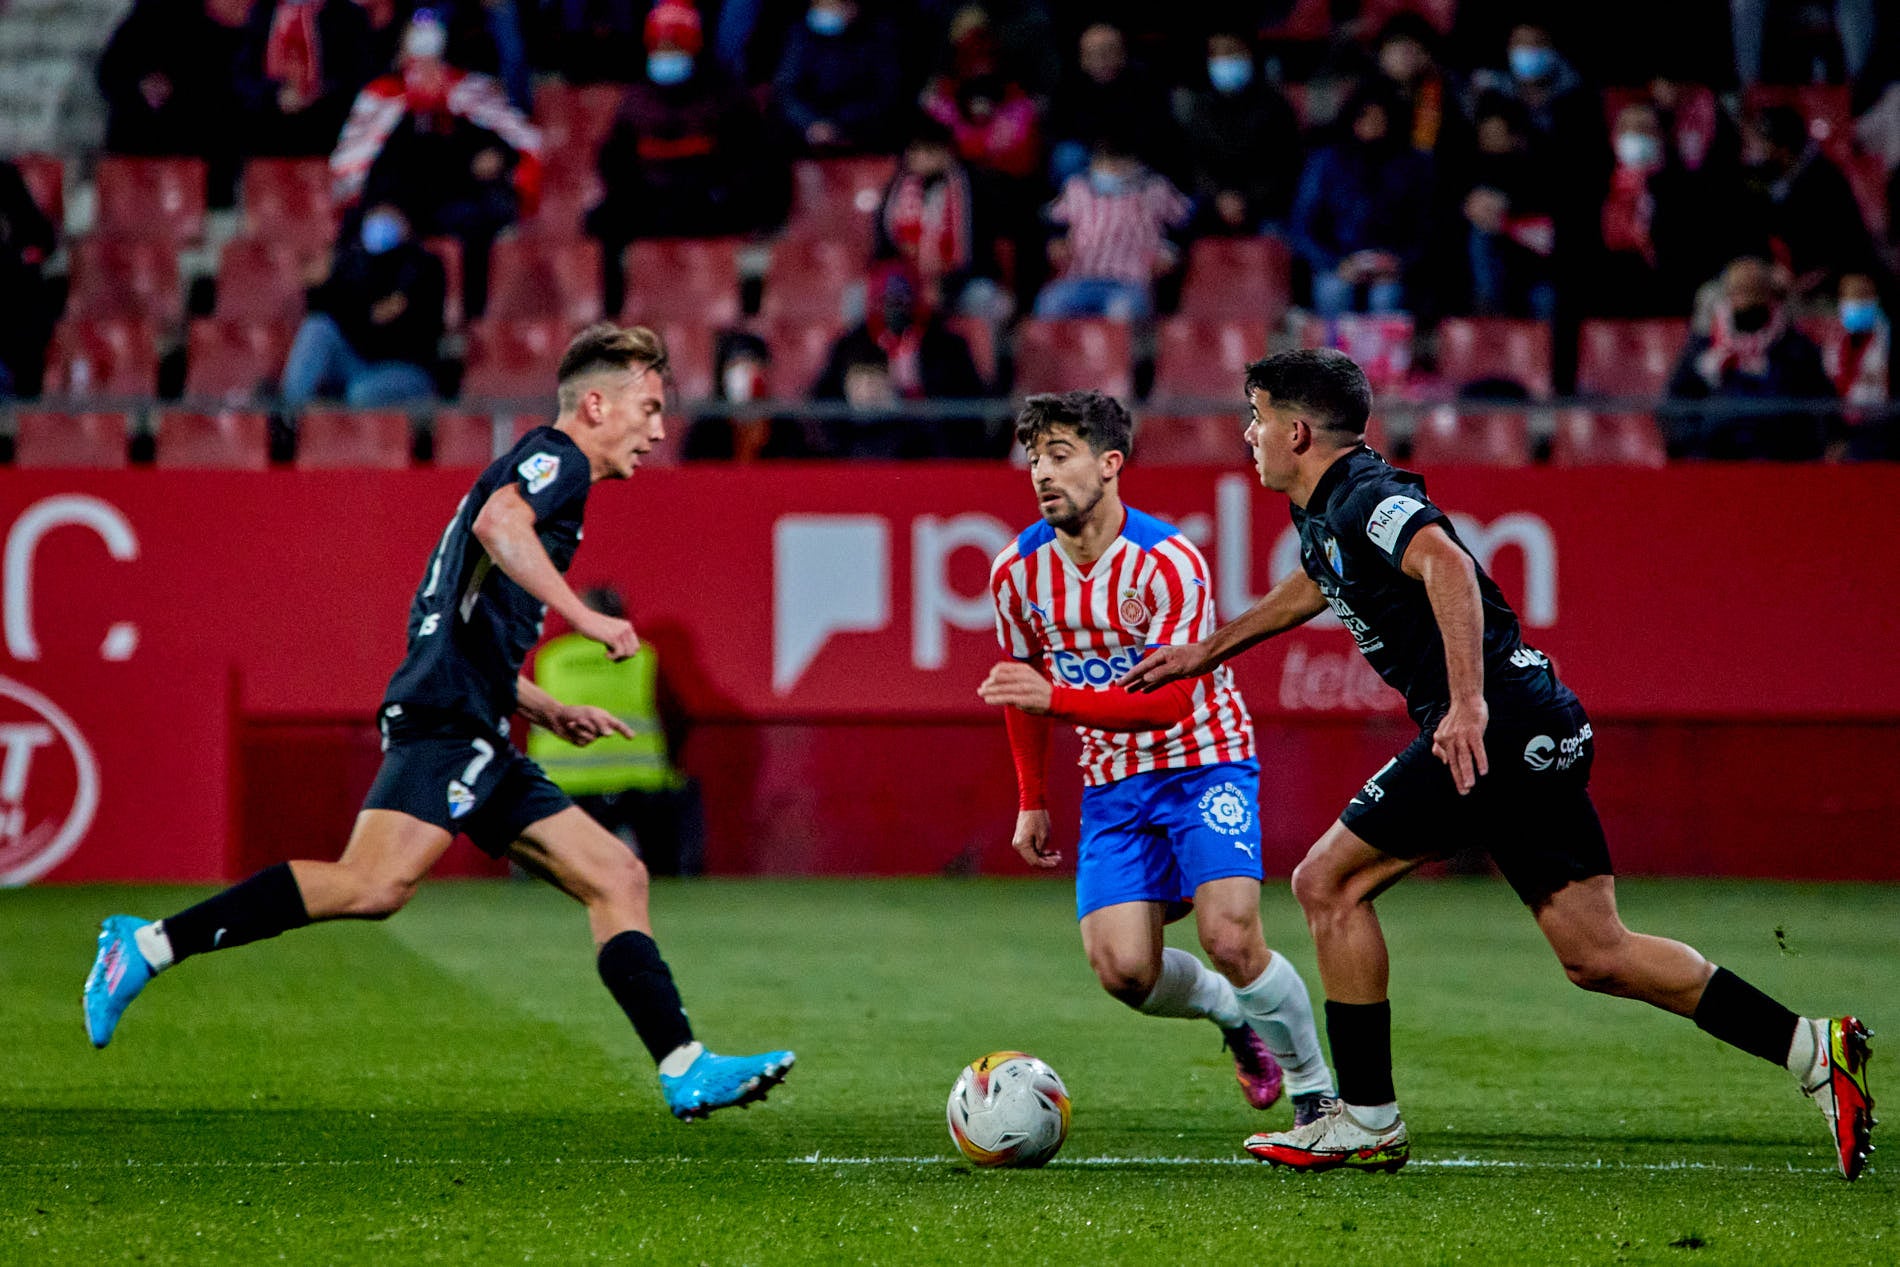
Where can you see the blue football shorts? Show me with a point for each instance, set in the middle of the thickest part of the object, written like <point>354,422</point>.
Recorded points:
<point>1159,836</point>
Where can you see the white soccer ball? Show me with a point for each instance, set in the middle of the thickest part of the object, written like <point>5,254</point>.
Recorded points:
<point>1009,1109</point>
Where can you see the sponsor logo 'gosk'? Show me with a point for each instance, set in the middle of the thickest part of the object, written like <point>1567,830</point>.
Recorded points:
<point>49,784</point>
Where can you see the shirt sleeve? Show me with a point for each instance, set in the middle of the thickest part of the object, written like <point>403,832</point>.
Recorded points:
<point>550,475</point>
<point>1179,595</point>
<point>1387,514</point>
<point>1012,629</point>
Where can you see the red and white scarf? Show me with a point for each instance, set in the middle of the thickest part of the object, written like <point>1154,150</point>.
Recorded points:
<point>293,55</point>
<point>929,222</point>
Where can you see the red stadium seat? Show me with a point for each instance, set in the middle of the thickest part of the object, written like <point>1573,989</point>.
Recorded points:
<point>1206,357</point>
<point>263,279</point>
<point>1586,439</point>
<point>1197,440</point>
<point>45,440</point>
<point>1825,106</point>
<point>545,277</point>
<point>227,441</point>
<point>1249,278</point>
<point>45,177</point>
<point>1380,342</point>
<point>449,251</point>
<point>575,117</point>
<point>689,357</point>
<point>1306,20</point>
<point>1629,358</point>
<point>1066,354</point>
<point>838,198</point>
<point>1445,437</point>
<point>151,197</point>
<point>980,334</point>
<point>685,279</point>
<point>125,277</point>
<point>514,359</point>
<point>1474,348</point>
<point>809,277</point>
<point>332,439</point>
<point>1374,14</point>
<point>467,439</point>
<point>288,200</point>
<point>103,356</point>
<point>234,359</point>
<point>800,348</point>
<point>562,209</point>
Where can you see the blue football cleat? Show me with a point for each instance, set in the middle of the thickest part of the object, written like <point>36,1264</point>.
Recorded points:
<point>117,976</point>
<point>718,1082</point>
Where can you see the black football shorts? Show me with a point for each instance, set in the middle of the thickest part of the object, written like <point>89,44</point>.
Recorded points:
<point>1532,813</point>
<point>445,770</point>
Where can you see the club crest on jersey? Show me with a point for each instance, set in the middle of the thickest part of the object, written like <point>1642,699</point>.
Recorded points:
<point>1134,611</point>
<point>1329,546</point>
<point>539,470</point>
<point>1224,809</point>
<point>461,800</point>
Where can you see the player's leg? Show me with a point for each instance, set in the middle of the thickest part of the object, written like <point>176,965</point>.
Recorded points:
<point>1124,946</point>
<point>387,855</point>
<point>1271,994</point>
<point>590,864</point>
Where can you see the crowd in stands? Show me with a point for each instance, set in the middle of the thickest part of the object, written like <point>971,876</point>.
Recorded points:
<point>878,206</point>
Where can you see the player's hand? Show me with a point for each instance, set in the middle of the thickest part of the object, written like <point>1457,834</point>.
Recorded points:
<point>610,632</point>
<point>1459,743</point>
<point>1032,839</point>
<point>581,724</point>
<point>1012,684</point>
<point>1163,665</point>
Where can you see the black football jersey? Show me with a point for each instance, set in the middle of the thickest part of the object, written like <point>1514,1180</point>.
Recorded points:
<point>470,626</point>
<point>1353,535</point>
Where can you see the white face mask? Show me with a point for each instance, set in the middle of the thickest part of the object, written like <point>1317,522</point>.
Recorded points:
<point>1638,149</point>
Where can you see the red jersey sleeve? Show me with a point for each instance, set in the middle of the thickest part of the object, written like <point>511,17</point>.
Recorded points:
<point>1118,709</point>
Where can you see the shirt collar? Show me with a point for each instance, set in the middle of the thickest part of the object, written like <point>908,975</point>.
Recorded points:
<point>1330,479</point>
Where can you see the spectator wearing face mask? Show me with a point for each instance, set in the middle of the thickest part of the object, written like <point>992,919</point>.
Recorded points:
<point>1752,354</point>
<point>1803,210</point>
<point>1242,142</point>
<point>374,324</point>
<point>1858,354</point>
<point>1102,96</point>
<point>1407,62</point>
<point>996,125</point>
<point>936,220</point>
<point>1505,213</point>
<point>839,85</point>
<point>1115,224</point>
<point>1362,216</point>
<point>301,64</point>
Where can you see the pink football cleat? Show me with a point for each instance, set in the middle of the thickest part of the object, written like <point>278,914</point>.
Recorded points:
<point>1254,1067</point>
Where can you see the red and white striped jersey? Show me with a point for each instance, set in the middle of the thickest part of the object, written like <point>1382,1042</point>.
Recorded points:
<point>1150,588</point>
<point>1118,235</point>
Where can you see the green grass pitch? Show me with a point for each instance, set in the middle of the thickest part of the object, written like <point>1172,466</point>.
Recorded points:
<point>454,1085</point>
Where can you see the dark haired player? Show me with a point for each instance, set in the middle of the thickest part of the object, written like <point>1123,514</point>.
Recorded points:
<point>447,764</point>
<point>1502,761</point>
<point>1168,813</point>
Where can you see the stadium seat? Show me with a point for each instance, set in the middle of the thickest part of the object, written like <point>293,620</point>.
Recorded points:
<point>332,439</point>
<point>545,277</point>
<point>980,334</point>
<point>684,279</point>
<point>1380,342</point>
<point>1249,278</point>
<point>838,198</point>
<point>288,201</point>
<point>1446,437</point>
<point>103,356</point>
<point>228,441</point>
<point>125,277</point>
<point>1826,107</point>
<point>150,197</point>
<point>561,211</point>
<point>1583,438</point>
<point>449,251</point>
<point>1629,358</point>
<point>575,117</point>
<point>1066,354</point>
<point>262,279</point>
<point>810,277</point>
<point>44,439</point>
<point>1194,440</point>
<point>1474,348</point>
<point>235,359</point>
<point>45,178</point>
<point>1205,357</point>
<point>1306,21</point>
<point>689,356</point>
<point>800,348</point>
<point>465,438</point>
<point>514,359</point>
<point>1374,14</point>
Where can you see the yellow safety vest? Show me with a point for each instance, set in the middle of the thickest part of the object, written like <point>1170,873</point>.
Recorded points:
<point>576,670</point>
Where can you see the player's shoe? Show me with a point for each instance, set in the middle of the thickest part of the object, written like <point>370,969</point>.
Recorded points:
<point>1255,1068</point>
<point>1309,1106</point>
<point>1839,1086</point>
<point>1335,1139</point>
<point>118,973</point>
<point>718,1082</point>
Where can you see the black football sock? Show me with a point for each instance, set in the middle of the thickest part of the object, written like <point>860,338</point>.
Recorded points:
<point>1742,1016</point>
<point>263,906</point>
<point>641,983</point>
<point>1361,1035</point>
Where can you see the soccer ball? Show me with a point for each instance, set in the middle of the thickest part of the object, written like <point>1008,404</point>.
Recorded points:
<point>1009,1109</point>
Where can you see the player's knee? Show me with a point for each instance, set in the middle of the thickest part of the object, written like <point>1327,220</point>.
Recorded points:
<point>1316,888</point>
<point>623,877</point>
<point>1234,944</point>
<point>1130,978</point>
<point>381,896</point>
<point>1599,970</point>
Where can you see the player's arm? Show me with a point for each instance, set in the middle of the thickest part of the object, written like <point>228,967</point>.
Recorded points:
<point>505,527</point>
<point>579,724</point>
<point>1022,689</point>
<point>1291,603</point>
<point>1451,583</point>
<point>1029,751</point>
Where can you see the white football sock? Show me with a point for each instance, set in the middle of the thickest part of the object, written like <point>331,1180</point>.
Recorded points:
<point>1375,1117</point>
<point>1277,1007</point>
<point>1189,988</point>
<point>681,1058</point>
<point>1805,1054</point>
<point>154,945</point>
